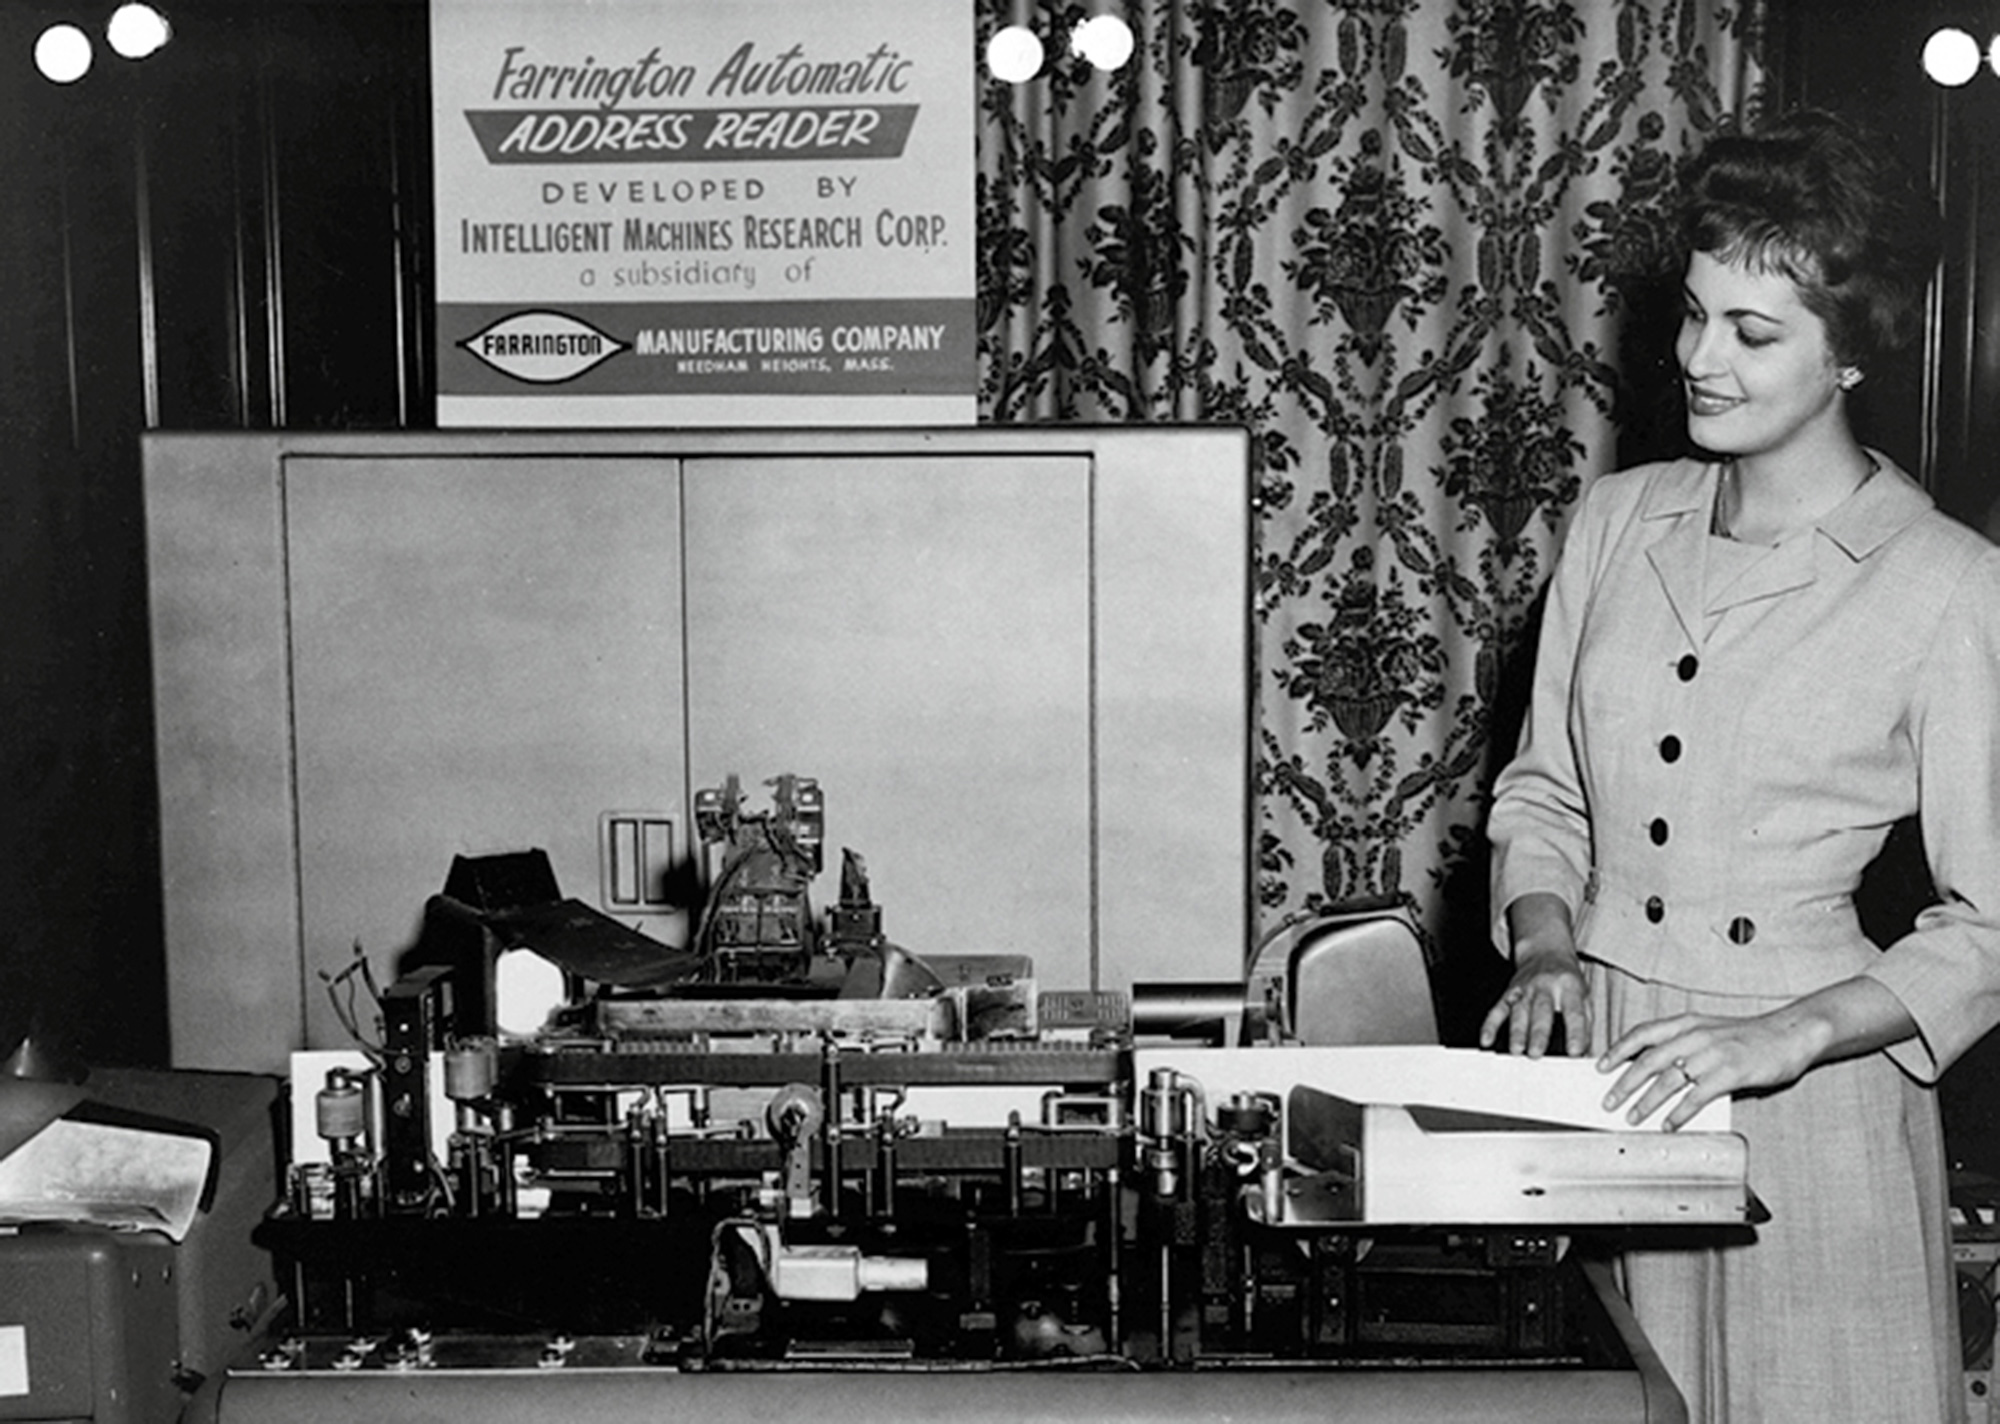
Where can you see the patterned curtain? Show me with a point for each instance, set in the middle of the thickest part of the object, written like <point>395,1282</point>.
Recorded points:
<point>1398,240</point>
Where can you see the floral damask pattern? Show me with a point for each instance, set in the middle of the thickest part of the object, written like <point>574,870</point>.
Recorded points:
<point>1394,240</point>
<point>1371,255</point>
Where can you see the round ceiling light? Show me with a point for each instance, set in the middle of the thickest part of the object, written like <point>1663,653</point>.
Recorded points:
<point>1951,57</point>
<point>137,30</point>
<point>1104,40</point>
<point>1014,54</point>
<point>62,54</point>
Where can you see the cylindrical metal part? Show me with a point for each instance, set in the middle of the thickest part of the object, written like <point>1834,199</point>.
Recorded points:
<point>829,1089</point>
<point>1011,1164</point>
<point>1247,1115</point>
<point>635,1164</point>
<point>661,1164</point>
<point>1156,1108</point>
<point>468,1162</point>
<point>1207,1010</point>
<point>504,1179</point>
<point>841,1273</point>
<point>340,1110</point>
<point>471,1067</point>
<point>893,1273</point>
<point>885,1165</point>
<point>1114,1304</point>
<point>349,1196</point>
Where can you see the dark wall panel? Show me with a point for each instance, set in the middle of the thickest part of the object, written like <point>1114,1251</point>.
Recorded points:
<point>223,235</point>
<point>1968,336</point>
<point>76,847</point>
<point>1939,409</point>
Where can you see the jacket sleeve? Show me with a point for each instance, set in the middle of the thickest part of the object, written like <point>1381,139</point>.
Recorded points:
<point>1946,971</point>
<point>1539,826</point>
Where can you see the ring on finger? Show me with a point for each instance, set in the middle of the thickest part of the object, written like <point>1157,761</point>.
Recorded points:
<point>1680,1066</point>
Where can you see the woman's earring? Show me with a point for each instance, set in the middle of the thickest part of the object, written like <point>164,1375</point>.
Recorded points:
<point>1850,377</point>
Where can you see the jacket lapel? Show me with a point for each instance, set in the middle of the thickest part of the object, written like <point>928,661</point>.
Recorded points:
<point>1680,500</point>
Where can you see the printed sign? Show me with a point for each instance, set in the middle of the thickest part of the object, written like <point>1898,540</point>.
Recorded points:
<point>704,212</point>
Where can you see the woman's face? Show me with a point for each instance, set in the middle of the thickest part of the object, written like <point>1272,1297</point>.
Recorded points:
<point>1756,365</point>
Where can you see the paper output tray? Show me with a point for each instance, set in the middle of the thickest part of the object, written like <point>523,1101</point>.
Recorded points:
<point>1429,1136</point>
<point>1392,1164</point>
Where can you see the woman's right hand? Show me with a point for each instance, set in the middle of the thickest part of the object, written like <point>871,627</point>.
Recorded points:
<point>1548,984</point>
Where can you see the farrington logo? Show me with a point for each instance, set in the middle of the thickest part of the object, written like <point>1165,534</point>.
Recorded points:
<point>545,347</point>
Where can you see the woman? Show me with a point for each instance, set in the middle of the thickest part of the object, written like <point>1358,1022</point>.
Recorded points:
<point>1751,665</point>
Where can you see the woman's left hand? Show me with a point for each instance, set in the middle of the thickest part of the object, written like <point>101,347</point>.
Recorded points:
<point>1699,1058</point>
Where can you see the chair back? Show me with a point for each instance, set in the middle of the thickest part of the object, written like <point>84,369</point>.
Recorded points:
<point>1352,976</point>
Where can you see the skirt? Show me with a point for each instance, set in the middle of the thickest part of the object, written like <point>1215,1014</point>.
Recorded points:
<point>1842,1306</point>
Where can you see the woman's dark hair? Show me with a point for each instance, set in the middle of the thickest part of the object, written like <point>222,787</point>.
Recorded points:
<point>1816,199</point>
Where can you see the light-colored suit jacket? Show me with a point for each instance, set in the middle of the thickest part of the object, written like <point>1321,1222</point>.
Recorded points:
<point>1720,739</point>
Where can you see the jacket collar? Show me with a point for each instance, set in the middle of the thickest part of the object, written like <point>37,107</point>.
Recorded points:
<point>1684,494</point>
<point>1883,507</point>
